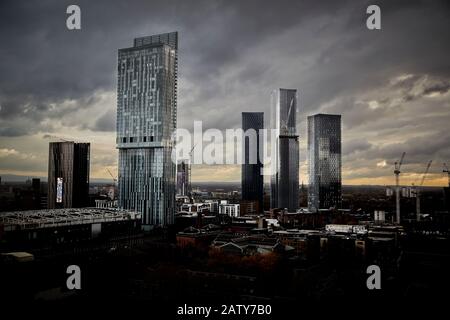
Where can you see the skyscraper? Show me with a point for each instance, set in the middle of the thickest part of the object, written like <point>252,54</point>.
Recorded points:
<point>252,175</point>
<point>36,190</point>
<point>183,183</point>
<point>285,181</point>
<point>146,120</point>
<point>324,150</point>
<point>68,175</point>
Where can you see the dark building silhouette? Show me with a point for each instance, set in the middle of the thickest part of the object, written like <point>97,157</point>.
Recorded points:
<point>36,189</point>
<point>447,198</point>
<point>68,175</point>
<point>47,229</point>
<point>324,149</point>
<point>252,175</point>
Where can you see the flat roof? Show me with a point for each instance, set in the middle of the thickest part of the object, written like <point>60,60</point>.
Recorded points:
<point>146,46</point>
<point>47,218</point>
<point>18,254</point>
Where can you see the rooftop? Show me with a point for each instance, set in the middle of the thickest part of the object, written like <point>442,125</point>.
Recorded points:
<point>36,219</point>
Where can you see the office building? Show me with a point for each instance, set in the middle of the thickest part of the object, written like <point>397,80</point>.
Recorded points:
<point>249,207</point>
<point>68,175</point>
<point>36,192</point>
<point>183,184</point>
<point>230,209</point>
<point>324,151</point>
<point>146,121</point>
<point>252,167</point>
<point>285,179</point>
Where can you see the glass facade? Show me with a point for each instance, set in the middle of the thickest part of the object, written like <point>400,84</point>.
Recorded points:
<point>285,181</point>
<point>325,165</point>
<point>146,121</point>
<point>183,185</point>
<point>252,175</point>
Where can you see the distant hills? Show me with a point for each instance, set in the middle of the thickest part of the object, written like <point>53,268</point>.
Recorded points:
<point>227,186</point>
<point>18,178</point>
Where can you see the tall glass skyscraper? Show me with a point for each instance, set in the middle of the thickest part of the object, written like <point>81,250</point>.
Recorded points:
<point>146,121</point>
<point>324,149</point>
<point>285,181</point>
<point>252,175</point>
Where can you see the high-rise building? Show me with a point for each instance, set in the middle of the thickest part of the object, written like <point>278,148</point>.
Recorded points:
<point>285,181</point>
<point>252,175</point>
<point>146,121</point>
<point>324,150</point>
<point>68,175</point>
<point>183,183</point>
<point>36,191</point>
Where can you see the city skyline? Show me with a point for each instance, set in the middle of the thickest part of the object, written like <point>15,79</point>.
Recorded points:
<point>225,158</point>
<point>393,94</point>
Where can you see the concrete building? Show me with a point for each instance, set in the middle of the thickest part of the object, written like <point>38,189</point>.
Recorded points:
<point>230,209</point>
<point>53,227</point>
<point>146,121</point>
<point>68,175</point>
<point>249,207</point>
<point>199,238</point>
<point>105,203</point>
<point>199,207</point>
<point>285,181</point>
<point>213,205</point>
<point>379,216</point>
<point>325,164</point>
<point>346,228</point>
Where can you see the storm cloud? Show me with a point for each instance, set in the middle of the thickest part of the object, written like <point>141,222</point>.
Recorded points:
<point>392,86</point>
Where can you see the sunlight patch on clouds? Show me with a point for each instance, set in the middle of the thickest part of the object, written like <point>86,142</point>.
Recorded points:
<point>401,78</point>
<point>381,164</point>
<point>373,104</point>
<point>7,152</point>
<point>4,152</point>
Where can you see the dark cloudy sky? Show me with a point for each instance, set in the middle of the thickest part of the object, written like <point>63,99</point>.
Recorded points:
<point>392,86</point>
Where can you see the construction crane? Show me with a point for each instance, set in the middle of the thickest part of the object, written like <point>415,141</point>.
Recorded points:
<point>113,196</point>
<point>397,166</point>
<point>445,170</point>
<point>418,190</point>
<point>114,179</point>
<point>190,171</point>
<point>284,124</point>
